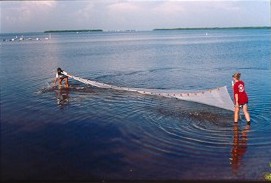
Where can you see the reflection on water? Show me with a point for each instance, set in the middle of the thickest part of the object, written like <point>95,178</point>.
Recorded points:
<point>62,96</point>
<point>239,148</point>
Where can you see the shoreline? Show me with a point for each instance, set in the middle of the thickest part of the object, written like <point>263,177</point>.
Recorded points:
<point>79,30</point>
<point>211,28</point>
<point>156,29</point>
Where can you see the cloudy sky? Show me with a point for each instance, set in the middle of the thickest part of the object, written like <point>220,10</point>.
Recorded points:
<point>36,16</point>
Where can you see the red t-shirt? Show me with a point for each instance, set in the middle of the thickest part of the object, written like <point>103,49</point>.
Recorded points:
<point>239,88</point>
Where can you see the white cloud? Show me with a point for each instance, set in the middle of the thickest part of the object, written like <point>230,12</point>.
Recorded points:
<point>123,7</point>
<point>24,13</point>
<point>135,14</point>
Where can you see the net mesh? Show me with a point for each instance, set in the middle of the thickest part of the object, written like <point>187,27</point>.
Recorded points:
<point>218,97</point>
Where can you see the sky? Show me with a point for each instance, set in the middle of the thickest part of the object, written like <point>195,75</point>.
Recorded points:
<point>39,16</point>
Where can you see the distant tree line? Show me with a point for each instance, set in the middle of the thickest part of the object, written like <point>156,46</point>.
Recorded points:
<point>212,28</point>
<point>81,30</point>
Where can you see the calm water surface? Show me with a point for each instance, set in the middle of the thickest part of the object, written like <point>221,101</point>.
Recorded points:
<point>100,134</point>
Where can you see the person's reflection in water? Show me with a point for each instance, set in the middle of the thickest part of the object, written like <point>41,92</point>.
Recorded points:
<point>62,96</point>
<point>239,146</point>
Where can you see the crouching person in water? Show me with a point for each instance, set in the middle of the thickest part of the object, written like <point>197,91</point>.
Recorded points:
<point>240,98</point>
<point>60,76</point>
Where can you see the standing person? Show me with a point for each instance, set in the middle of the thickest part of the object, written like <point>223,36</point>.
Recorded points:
<point>60,76</point>
<point>240,98</point>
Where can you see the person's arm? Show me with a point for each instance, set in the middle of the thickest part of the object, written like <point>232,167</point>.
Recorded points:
<point>55,81</point>
<point>236,100</point>
<point>56,78</point>
<point>236,92</point>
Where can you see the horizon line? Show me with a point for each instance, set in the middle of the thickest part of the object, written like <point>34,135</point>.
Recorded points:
<point>135,30</point>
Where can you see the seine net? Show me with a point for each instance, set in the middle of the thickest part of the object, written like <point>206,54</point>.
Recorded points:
<point>218,97</point>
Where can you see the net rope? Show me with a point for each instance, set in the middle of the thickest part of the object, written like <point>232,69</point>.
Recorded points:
<point>218,97</point>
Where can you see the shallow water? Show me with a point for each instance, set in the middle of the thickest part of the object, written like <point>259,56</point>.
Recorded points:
<point>86,133</point>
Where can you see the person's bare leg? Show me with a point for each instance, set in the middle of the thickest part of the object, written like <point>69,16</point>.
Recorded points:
<point>60,82</point>
<point>67,82</point>
<point>236,114</point>
<point>245,110</point>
